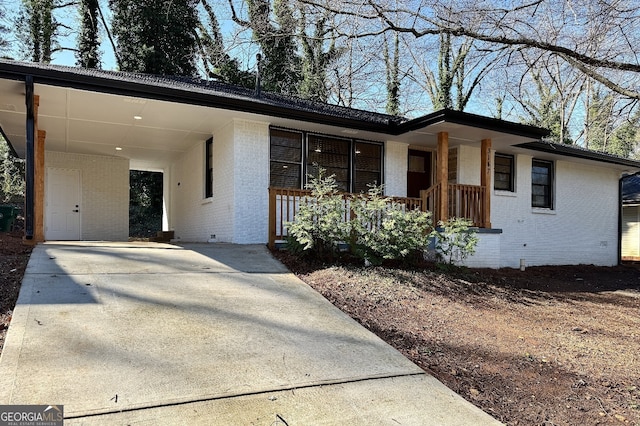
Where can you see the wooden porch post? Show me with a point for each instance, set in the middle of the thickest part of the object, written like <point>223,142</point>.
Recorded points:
<point>485,181</point>
<point>443,175</point>
<point>37,205</point>
<point>38,234</point>
<point>38,184</point>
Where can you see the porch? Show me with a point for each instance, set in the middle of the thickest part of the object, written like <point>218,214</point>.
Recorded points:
<point>466,201</point>
<point>444,199</point>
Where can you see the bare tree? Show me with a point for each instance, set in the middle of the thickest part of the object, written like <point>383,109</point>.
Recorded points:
<point>456,72</point>
<point>4,43</point>
<point>549,92</point>
<point>392,62</point>
<point>599,38</point>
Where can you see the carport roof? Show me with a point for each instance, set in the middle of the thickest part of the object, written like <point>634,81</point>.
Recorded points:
<point>188,90</point>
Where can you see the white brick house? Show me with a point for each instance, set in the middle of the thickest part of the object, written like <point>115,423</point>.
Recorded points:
<point>222,148</point>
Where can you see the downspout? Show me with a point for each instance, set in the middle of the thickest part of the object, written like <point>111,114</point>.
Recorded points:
<point>30,157</point>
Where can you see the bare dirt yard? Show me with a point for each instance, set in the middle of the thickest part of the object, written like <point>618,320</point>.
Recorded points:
<point>548,346</point>
<point>14,256</point>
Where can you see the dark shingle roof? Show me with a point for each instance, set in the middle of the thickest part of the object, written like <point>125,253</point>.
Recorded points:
<point>213,93</point>
<point>187,89</point>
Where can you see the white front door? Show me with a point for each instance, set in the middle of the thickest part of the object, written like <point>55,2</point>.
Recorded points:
<point>63,204</point>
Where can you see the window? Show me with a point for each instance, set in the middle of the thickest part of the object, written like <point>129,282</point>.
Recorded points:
<point>542,184</point>
<point>503,175</point>
<point>368,165</point>
<point>208,182</point>
<point>295,154</point>
<point>333,155</point>
<point>286,159</point>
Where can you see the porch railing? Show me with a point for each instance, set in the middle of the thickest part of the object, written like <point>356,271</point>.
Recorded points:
<point>285,202</point>
<point>465,201</point>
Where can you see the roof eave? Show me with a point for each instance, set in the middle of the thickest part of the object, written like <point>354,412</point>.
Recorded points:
<point>257,105</point>
<point>465,118</point>
<point>569,151</point>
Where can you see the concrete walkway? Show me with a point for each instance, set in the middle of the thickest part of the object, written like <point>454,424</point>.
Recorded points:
<point>144,333</point>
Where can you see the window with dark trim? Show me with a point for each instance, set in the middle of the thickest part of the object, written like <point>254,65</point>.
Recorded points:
<point>333,155</point>
<point>294,155</point>
<point>368,166</point>
<point>208,182</point>
<point>542,184</point>
<point>286,159</point>
<point>503,172</point>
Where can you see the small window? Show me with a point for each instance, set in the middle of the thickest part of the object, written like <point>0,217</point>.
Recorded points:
<point>503,173</point>
<point>208,183</point>
<point>286,159</point>
<point>542,184</point>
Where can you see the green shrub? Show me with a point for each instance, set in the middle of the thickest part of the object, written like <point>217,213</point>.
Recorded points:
<point>379,229</point>
<point>382,229</point>
<point>319,224</point>
<point>455,240</point>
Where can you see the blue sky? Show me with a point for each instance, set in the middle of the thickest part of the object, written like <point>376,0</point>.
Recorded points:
<point>67,57</point>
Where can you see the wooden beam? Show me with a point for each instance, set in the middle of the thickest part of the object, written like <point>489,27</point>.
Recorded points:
<point>38,235</point>
<point>485,181</point>
<point>443,175</point>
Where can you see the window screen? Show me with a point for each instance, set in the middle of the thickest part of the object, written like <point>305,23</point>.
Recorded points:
<point>332,154</point>
<point>368,165</point>
<point>541,184</point>
<point>286,159</point>
<point>503,176</point>
<point>295,154</point>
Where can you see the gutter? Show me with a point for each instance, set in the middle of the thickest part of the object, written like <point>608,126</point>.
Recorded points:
<point>468,119</point>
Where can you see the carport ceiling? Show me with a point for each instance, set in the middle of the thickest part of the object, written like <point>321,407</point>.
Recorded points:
<point>147,131</point>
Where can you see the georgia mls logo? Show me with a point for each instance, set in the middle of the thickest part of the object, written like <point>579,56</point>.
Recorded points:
<point>31,415</point>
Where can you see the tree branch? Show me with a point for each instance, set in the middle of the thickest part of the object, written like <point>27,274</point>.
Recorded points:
<point>601,78</point>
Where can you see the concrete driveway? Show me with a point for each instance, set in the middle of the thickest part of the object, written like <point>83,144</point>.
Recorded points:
<point>145,333</point>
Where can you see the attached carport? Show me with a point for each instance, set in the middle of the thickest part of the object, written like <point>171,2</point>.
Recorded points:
<point>82,125</point>
<point>135,121</point>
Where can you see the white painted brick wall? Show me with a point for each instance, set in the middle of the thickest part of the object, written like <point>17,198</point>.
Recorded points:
<point>468,165</point>
<point>251,182</point>
<point>105,193</point>
<point>487,253</point>
<point>238,210</point>
<point>395,168</point>
<point>192,215</point>
<point>581,229</point>
<point>224,174</point>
